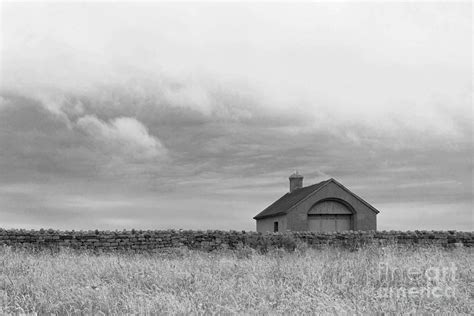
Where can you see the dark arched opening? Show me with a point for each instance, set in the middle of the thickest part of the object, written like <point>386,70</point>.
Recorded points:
<point>331,215</point>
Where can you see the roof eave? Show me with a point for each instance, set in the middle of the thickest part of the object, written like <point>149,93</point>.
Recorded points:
<point>269,215</point>
<point>355,195</point>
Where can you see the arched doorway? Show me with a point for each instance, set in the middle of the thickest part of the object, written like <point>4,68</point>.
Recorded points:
<point>330,216</point>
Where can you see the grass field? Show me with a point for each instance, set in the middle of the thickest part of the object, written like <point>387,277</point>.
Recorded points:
<point>373,279</point>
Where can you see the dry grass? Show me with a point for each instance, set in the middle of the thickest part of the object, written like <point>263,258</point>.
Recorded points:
<point>241,281</point>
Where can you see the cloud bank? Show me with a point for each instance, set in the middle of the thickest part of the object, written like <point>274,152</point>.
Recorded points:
<point>165,115</point>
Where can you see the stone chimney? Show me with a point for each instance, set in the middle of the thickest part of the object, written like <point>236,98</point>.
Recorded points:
<point>296,181</point>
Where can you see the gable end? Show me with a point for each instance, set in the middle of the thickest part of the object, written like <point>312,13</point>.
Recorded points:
<point>356,196</point>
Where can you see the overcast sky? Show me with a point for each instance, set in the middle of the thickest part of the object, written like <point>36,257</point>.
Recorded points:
<point>154,115</point>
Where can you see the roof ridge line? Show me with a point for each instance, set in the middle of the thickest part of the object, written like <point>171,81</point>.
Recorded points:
<point>289,195</point>
<point>313,192</point>
<point>358,197</point>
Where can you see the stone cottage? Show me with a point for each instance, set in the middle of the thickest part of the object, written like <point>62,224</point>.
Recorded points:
<point>326,206</point>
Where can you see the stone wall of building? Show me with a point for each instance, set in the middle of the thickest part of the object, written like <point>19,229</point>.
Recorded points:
<point>152,240</point>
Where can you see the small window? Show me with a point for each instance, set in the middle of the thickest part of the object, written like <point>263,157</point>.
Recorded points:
<point>275,227</point>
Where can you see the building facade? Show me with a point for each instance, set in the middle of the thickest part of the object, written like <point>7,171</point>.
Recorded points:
<point>327,206</point>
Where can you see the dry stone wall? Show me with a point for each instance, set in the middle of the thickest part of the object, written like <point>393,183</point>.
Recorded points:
<point>153,240</point>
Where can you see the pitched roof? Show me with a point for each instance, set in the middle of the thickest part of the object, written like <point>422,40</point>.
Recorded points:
<point>287,201</point>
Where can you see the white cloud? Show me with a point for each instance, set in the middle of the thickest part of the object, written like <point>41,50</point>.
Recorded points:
<point>124,135</point>
<point>384,66</point>
<point>189,95</point>
<point>3,103</point>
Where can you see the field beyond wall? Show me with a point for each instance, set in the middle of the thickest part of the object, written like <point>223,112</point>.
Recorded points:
<point>390,278</point>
